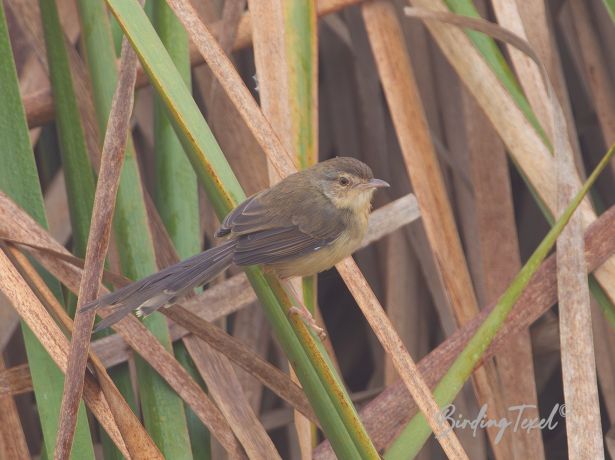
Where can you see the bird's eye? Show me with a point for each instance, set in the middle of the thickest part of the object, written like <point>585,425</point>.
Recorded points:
<point>344,181</point>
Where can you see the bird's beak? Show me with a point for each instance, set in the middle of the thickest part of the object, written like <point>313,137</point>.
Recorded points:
<point>377,183</point>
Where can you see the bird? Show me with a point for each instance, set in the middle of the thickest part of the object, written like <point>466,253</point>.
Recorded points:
<point>303,225</point>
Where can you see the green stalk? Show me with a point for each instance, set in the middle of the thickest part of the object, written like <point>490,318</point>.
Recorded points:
<point>610,7</point>
<point>300,35</point>
<point>301,55</point>
<point>19,179</point>
<point>416,433</point>
<point>200,439</point>
<point>176,193</point>
<point>224,191</point>
<point>163,411</point>
<point>80,182</point>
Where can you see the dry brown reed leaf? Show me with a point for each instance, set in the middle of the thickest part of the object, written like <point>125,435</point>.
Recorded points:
<point>9,320</point>
<point>583,425</point>
<point>22,226</point>
<point>604,337</point>
<point>227,33</point>
<point>137,440</point>
<point>404,364</point>
<point>494,255</point>
<point>267,19</point>
<point>56,208</point>
<point>499,262</point>
<point>596,73</point>
<point>42,325</point>
<point>225,389</point>
<point>15,380</point>
<point>515,365</point>
<point>388,413</point>
<point>284,165</point>
<point>12,438</point>
<point>388,46</point>
<point>98,241</point>
<point>509,16</point>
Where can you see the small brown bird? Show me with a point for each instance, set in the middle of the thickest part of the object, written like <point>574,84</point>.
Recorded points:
<point>301,226</point>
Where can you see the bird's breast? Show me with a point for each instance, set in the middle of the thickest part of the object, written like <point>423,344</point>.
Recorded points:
<point>327,256</point>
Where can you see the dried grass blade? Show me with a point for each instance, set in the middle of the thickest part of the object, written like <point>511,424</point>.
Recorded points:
<point>583,427</point>
<point>138,441</point>
<point>596,72</point>
<point>498,240</point>
<point>33,313</point>
<point>15,380</point>
<point>405,366</point>
<point>98,242</point>
<point>231,400</point>
<point>12,439</point>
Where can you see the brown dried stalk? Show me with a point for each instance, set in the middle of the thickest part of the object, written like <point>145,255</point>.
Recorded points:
<point>98,243</point>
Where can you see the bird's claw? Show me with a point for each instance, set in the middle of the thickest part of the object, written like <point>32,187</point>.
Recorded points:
<point>309,320</point>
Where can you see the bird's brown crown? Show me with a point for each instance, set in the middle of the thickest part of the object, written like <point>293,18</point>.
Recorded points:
<point>337,165</point>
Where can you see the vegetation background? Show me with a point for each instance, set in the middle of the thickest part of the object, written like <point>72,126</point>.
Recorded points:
<point>128,131</point>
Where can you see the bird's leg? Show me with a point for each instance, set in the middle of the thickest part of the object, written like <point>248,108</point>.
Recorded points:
<point>302,310</point>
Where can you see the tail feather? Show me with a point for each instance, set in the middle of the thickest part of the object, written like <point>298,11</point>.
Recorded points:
<point>162,288</point>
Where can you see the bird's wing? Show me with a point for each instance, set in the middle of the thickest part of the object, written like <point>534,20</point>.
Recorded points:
<point>266,233</point>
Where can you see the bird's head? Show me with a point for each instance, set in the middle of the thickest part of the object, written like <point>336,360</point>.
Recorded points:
<point>347,182</point>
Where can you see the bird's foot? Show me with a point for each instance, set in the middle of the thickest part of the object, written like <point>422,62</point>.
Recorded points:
<point>309,320</point>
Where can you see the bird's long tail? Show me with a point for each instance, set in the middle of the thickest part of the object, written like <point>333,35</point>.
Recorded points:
<point>162,288</point>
